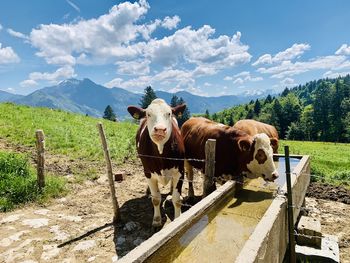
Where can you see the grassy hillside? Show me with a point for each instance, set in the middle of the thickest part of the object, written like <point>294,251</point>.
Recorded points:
<point>77,137</point>
<point>66,133</point>
<point>330,161</point>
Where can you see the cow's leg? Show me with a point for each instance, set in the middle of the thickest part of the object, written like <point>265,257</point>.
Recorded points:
<point>156,199</point>
<point>177,181</point>
<point>189,176</point>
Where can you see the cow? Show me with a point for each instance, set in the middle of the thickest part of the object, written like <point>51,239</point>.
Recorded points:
<point>253,127</point>
<point>236,151</point>
<point>161,150</point>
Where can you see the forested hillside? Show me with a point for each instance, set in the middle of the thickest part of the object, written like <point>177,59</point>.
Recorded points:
<point>318,110</point>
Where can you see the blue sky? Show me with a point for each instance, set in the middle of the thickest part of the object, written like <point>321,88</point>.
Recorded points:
<point>209,48</point>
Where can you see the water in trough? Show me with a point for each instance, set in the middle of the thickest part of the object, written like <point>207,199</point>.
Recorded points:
<point>221,233</point>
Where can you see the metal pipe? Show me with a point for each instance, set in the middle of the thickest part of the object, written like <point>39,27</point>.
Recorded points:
<point>292,257</point>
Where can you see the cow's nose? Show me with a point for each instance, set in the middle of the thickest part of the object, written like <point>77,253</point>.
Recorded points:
<point>274,176</point>
<point>160,129</point>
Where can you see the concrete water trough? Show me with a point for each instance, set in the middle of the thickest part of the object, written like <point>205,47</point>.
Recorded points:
<point>247,226</point>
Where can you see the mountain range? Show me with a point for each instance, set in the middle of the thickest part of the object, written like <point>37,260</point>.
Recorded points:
<point>86,97</point>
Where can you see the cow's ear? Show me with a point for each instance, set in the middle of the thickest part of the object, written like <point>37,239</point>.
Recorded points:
<point>244,145</point>
<point>274,142</point>
<point>136,112</point>
<point>179,109</point>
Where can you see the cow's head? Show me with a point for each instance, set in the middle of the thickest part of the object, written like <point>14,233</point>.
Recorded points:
<point>159,118</point>
<point>262,157</point>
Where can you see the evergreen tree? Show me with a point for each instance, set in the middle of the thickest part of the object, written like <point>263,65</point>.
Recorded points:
<point>257,107</point>
<point>185,115</point>
<point>285,92</point>
<point>148,97</point>
<point>268,99</point>
<point>250,114</point>
<point>109,114</point>
<point>207,115</point>
<point>174,101</point>
<point>321,110</point>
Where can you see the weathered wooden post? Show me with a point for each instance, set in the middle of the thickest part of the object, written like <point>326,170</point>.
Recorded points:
<point>40,149</point>
<point>116,216</point>
<point>292,256</point>
<point>208,182</point>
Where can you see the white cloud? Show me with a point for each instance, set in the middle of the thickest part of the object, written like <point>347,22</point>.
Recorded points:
<point>17,34</point>
<point>228,78</point>
<point>244,76</point>
<point>207,84</point>
<point>331,74</point>
<point>287,82</point>
<point>7,55</point>
<point>288,54</point>
<point>287,68</point>
<point>1,27</point>
<point>133,67</point>
<point>73,5</point>
<point>238,81</point>
<point>343,50</point>
<point>108,36</point>
<point>28,83</point>
<point>53,78</point>
<point>197,47</point>
<point>171,22</point>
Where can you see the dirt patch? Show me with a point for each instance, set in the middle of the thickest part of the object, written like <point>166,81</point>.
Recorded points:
<point>329,192</point>
<point>335,220</point>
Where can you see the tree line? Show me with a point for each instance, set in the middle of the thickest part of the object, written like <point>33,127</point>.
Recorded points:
<point>317,111</point>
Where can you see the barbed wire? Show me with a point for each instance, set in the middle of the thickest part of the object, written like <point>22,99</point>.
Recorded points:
<point>171,158</point>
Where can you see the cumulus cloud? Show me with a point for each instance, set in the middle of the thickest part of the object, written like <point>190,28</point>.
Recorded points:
<point>343,50</point>
<point>102,38</point>
<point>331,74</point>
<point>122,38</point>
<point>244,76</point>
<point>7,55</point>
<point>171,22</point>
<point>17,34</point>
<point>287,82</point>
<point>288,54</point>
<point>133,67</point>
<point>53,78</point>
<point>288,68</point>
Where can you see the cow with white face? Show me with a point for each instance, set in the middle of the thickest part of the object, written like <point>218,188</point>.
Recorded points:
<point>236,152</point>
<point>160,148</point>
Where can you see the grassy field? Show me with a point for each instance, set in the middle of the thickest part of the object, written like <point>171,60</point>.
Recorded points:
<point>18,182</point>
<point>331,161</point>
<point>73,135</point>
<point>76,136</point>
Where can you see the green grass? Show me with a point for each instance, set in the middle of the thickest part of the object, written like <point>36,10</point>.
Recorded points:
<point>18,183</point>
<point>66,133</point>
<point>330,161</point>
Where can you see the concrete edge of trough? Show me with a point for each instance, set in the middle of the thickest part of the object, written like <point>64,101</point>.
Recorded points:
<point>148,247</point>
<point>268,242</point>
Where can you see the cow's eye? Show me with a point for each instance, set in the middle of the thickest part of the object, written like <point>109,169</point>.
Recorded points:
<point>169,114</point>
<point>148,115</point>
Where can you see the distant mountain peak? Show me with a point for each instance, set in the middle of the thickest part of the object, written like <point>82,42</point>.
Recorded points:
<point>69,82</point>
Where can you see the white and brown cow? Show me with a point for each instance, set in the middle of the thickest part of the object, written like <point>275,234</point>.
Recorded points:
<point>236,151</point>
<point>253,127</point>
<point>159,145</point>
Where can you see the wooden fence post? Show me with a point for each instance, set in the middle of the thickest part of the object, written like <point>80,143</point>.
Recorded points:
<point>116,216</point>
<point>40,149</point>
<point>208,182</point>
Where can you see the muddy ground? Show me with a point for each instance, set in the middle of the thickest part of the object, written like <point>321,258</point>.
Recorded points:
<point>78,227</point>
